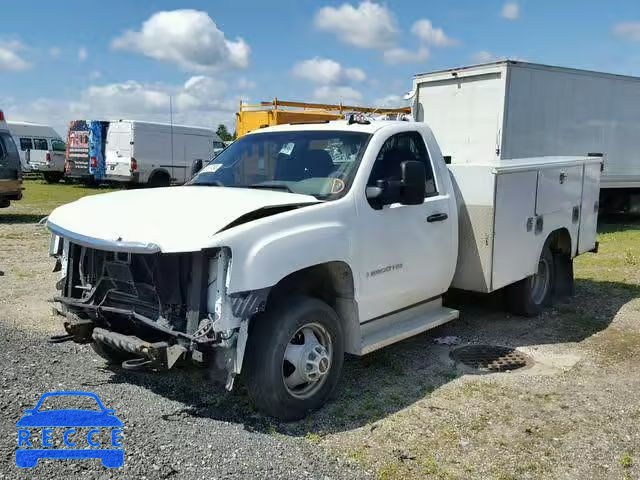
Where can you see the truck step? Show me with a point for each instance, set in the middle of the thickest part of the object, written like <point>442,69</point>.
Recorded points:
<point>393,328</point>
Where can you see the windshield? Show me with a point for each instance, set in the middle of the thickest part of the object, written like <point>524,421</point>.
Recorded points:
<point>318,163</point>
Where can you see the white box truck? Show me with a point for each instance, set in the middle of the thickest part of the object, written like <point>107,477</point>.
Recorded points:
<point>299,243</point>
<point>156,154</point>
<point>511,109</point>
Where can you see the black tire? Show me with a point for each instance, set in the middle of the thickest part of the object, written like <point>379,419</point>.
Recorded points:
<point>266,367</point>
<point>52,177</point>
<point>113,356</point>
<point>159,179</point>
<point>524,297</point>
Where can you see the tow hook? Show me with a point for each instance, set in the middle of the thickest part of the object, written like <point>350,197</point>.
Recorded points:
<point>136,363</point>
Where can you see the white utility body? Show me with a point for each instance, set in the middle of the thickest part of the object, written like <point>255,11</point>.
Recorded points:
<point>301,242</point>
<point>516,110</point>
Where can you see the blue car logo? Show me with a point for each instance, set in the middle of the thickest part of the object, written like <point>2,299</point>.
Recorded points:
<point>70,419</point>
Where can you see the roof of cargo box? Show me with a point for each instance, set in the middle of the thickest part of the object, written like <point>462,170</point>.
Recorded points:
<point>481,67</point>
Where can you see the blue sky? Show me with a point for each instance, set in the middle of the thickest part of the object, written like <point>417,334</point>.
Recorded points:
<point>124,59</point>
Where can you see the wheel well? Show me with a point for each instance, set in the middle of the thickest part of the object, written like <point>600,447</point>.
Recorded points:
<point>331,282</point>
<point>159,174</point>
<point>560,241</point>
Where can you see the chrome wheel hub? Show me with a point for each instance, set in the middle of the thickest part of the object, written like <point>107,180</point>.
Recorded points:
<point>307,360</point>
<point>541,281</point>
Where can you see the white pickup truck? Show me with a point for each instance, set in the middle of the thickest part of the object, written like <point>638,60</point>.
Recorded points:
<point>300,243</point>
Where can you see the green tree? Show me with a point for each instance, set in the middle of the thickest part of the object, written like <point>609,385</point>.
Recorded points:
<point>223,133</point>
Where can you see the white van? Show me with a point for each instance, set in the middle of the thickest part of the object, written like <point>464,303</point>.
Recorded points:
<point>41,149</point>
<point>157,154</point>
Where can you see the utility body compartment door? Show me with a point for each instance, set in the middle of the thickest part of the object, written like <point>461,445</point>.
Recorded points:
<point>558,189</point>
<point>589,208</point>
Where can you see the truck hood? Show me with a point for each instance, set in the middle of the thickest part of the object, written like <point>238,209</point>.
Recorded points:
<point>173,219</point>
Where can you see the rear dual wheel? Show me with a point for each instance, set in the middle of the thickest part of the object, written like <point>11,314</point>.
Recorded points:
<point>530,296</point>
<point>294,357</point>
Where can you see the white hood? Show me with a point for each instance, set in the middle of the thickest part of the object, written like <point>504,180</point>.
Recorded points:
<point>174,219</point>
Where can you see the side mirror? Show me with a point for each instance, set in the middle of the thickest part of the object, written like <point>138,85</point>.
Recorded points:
<point>409,190</point>
<point>412,186</point>
<point>196,166</point>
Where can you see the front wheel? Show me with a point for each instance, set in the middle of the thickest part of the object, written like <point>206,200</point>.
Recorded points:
<point>294,357</point>
<point>530,296</point>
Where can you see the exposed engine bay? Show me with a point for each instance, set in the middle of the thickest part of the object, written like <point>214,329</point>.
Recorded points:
<point>160,308</point>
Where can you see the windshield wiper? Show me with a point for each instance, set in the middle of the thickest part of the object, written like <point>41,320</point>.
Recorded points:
<point>271,186</point>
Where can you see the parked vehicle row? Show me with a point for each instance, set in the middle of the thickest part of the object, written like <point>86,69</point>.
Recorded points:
<point>136,152</point>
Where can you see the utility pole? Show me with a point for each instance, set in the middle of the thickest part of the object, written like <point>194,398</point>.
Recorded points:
<point>171,124</point>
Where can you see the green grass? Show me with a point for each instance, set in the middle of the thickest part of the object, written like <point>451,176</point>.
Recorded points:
<point>40,198</point>
<point>626,461</point>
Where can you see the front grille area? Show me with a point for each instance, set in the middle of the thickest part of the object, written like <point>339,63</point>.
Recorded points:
<point>153,285</point>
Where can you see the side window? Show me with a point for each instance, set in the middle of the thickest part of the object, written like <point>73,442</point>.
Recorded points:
<point>40,144</point>
<point>25,144</point>
<point>397,149</point>
<point>58,145</point>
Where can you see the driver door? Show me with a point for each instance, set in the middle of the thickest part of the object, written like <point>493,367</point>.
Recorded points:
<point>404,256</point>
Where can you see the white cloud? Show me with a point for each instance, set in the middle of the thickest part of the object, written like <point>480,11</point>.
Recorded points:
<point>510,11</point>
<point>82,54</point>
<point>424,30</point>
<point>369,25</point>
<point>245,84</point>
<point>54,52</point>
<point>325,71</point>
<point>188,38</point>
<point>10,59</point>
<point>628,31</point>
<point>201,100</point>
<point>391,101</point>
<point>337,94</point>
<point>483,56</point>
<point>402,55</point>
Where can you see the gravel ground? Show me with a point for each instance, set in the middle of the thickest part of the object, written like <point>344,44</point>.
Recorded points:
<point>404,412</point>
<point>176,425</point>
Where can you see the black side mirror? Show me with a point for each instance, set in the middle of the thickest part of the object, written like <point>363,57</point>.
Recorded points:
<point>412,186</point>
<point>196,166</point>
<point>409,190</point>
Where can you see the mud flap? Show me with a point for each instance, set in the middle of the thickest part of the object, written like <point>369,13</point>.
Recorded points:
<point>564,285</point>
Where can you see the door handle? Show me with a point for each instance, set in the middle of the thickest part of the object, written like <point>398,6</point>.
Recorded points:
<point>437,217</point>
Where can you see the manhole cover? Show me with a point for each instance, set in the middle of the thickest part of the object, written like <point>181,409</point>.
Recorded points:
<point>491,358</point>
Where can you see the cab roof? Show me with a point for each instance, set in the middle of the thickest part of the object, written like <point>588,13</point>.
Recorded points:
<point>340,125</point>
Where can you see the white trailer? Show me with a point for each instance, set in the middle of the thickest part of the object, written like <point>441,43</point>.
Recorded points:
<point>508,110</point>
<point>157,154</point>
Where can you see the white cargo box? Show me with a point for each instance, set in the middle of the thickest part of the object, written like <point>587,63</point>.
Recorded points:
<point>507,209</point>
<point>510,110</point>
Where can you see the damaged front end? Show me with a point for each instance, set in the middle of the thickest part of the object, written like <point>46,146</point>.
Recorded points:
<point>156,309</point>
